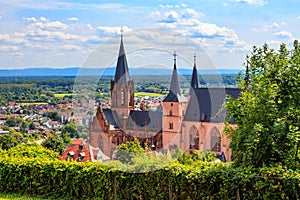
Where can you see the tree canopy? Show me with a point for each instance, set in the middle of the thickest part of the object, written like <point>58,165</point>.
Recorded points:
<point>267,112</point>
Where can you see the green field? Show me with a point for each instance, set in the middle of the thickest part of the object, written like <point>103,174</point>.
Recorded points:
<point>31,103</point>
<point>143,94</point>
<point>62,95</point>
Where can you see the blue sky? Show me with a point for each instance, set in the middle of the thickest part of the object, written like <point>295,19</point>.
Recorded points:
<point>63,33</point>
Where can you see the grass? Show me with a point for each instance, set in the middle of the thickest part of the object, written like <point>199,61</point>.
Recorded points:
<point>19,197</point>
<point>62,95</point>
<point>143,94</point>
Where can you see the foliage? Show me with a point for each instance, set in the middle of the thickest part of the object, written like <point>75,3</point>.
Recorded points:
<point>32,151</point>
<point>55,143</point>
<point>197,156</point>
<point>31,126</point>
<point>127,151</point>
<point>13,121</point>
<point>267,111</point>
<point>10,140</point>
<point>95,180</point>
<point>69,129</point>
<point>4,196</point>
<point>53,116</point>
<point>23,126</point>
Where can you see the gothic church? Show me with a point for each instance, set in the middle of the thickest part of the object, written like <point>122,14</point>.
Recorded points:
<point>193,123</point>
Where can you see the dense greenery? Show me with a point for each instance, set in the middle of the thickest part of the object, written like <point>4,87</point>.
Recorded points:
<point>56,143</point>
<point>31,151</point>
<point>268,110</point>
<point>176,181</point>
<point>126,152</point>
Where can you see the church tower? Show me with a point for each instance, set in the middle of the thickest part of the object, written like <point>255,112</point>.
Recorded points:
<point>122,87</point>
<point>194,80</point>
<point>174,106</point>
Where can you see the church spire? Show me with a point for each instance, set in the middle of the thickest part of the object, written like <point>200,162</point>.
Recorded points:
<point>174,92</point>
<point>122,72</point>
<point>194,80</point>
<point>247,75</point>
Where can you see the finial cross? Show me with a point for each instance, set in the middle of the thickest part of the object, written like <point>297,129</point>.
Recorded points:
<point>174,55</point>
<point>122,31</point>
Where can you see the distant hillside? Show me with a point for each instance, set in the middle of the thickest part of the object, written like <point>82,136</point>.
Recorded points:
<point>105,72</point>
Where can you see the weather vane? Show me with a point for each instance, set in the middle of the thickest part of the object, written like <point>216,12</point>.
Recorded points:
<point>174,55</point>
<point>121,31</point>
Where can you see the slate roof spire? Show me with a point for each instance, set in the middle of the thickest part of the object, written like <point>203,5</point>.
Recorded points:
<point>194,80</point>
<point>174,92</point>
<point>122,72</point>
<point>246,79</point>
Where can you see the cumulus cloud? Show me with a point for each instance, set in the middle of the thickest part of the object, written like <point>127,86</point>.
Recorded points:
<point>182,5</point>
<point>73,19</point>
<point>283,34</point>
<point>111,31</point>
<point>253,2</point>
<point>187,23</point>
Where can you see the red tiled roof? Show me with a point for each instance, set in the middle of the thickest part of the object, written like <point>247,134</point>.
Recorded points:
<point>76,141</point>
<point>47,133</point>
<point>75,153</point>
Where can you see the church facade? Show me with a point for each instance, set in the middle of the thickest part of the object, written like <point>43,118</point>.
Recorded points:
<point>190,123</point>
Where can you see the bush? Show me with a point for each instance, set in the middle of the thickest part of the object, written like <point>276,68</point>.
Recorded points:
<point>95,180</point>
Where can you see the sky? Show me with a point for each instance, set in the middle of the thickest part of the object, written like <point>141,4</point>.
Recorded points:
<point>65,33</point>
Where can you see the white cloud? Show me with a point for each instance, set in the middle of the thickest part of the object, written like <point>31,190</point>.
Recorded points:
<point>283,34</point>
<point>187,23</point>
<point>191,13</point>
<point>182,5</point>
<point>253,2</point>
<point>43,19</point>
<point>9,48</point>
<point>30,19</point>
<point>274,25</point>
<point>73,19</point>
<point>111,31</point>
<point>170,17</point>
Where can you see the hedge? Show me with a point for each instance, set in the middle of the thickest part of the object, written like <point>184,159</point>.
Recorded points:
<point>73,180</point>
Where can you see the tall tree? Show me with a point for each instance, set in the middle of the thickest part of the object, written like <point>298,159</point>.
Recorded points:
<point>267,111</point>
<point>55,143</point>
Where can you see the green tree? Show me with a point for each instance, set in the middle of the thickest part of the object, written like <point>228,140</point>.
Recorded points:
<point>267,112</point>
<point>55,143</point>
<point>13,121</point>
<point>127,151</point>
<point>23,126</point>
<point>32,126</point>
<point>8,141</point>
<point>70,130</point>
<point>32,151</point>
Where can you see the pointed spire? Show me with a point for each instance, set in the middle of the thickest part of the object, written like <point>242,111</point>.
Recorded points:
<point>247,74</point>
<point>174,92</point>
<point>175,59</point>
<point>122,72</point>
<point>194,80</point>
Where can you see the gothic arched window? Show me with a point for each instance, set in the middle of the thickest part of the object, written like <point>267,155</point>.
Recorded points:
<point>170,113</point>
<point>100,142</point>
<point>194,138</point>
<point>215,143</point>
<point>115,96</point>
<point>171,125</point>
<point>122,97</point>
